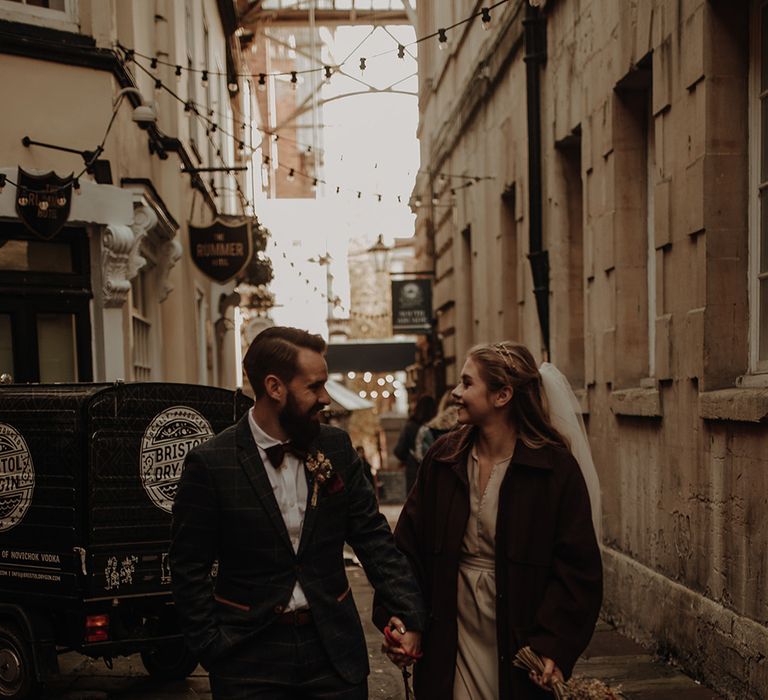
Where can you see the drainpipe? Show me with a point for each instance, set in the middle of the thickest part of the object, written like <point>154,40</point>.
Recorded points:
<point>535,57</point>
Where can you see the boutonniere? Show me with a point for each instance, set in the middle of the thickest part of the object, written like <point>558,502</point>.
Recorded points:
<point>322,472</point>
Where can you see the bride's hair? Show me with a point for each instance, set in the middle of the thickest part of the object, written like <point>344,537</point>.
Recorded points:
<point>511,364</point>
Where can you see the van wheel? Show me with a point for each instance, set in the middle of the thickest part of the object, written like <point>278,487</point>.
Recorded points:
<point>17,676</point>
<point>169,662</point>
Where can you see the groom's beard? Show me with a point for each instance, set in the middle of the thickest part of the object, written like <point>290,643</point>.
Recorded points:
<point>302,427</point>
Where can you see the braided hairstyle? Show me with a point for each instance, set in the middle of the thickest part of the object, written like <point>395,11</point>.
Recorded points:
<point>511,364</point>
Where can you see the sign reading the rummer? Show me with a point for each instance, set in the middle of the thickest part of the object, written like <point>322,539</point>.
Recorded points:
<point>412,305</point>
<point>43,202</point>
<point>222,249</point>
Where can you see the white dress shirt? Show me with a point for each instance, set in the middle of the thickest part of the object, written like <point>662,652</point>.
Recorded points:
<point>289,485</point>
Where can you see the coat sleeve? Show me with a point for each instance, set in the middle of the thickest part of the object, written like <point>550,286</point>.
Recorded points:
<point>369,535</point>
<point>192,553</point>
<point>569,609</point>
<point>409,539</point>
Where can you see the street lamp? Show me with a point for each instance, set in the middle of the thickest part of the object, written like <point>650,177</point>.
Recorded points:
<point>380,252</point>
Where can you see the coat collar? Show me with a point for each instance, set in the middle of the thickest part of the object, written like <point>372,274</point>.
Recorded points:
<point>456,445</point>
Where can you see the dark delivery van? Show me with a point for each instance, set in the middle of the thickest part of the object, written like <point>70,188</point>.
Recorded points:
<point>88,473</point>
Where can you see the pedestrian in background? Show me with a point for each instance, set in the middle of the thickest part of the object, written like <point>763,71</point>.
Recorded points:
<point>445,420</point>
<point>273,499</point>
<point>500,532</point>
<point>405,449</point>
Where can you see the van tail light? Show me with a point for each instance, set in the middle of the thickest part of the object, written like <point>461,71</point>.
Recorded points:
<point>97,628</point>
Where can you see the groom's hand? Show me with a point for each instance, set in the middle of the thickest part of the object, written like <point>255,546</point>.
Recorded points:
<point>401,646</point>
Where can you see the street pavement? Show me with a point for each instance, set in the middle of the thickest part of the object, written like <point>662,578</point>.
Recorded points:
<point>611,657</point>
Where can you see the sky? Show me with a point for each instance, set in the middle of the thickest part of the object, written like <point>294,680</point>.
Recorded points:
<point>370,146</point>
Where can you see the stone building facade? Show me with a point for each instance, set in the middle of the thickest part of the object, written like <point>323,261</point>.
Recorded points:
<point>116,295</point>
<point>635,132</point>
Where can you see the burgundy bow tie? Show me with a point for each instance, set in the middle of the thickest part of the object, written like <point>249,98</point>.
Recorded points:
<point>276,453</point>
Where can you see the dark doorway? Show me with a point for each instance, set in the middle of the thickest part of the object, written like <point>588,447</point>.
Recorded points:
<point>45,292</point>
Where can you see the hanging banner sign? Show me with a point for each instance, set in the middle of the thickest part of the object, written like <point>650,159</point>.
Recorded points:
<point>43,202</point>
<point>412,306</point>
<point>222,249</point>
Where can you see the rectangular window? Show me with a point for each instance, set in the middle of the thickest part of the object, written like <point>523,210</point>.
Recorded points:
<point>55,14</point>
<point>758,253</point>
<point>57,347</point>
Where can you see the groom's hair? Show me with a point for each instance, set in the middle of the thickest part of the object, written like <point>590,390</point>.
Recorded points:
<point>275,351</point>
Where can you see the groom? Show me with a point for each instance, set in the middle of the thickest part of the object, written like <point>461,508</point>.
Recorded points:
<point>273,499</point>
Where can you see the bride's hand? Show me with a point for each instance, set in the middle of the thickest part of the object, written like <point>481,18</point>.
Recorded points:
<point>548,676</point>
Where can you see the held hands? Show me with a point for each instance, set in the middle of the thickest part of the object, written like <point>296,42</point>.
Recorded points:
<point>402,647</point>
<point>548,677</point>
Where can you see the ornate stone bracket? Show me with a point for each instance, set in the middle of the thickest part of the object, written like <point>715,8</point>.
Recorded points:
<point>121,257</point>
<point>168,254</point>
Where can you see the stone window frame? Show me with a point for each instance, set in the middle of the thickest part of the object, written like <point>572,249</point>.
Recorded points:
<point>66,20</point>
<point>758,370</point>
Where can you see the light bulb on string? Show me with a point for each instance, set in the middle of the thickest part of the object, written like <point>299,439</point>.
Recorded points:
<point>262,84</point>
<point>294,79</point>
<point>76,186</point>
<point>435,198</point>
<point>314,183</point>
<point>400,51</point>
<point>417,201</point>
<point>2,181</point>
<point>43,205</point>
<point>362,65</point>
<point>442,178</point>
<point>442,39</point>
<point>204,77</point>
<point>153,63</point>
<point>23,200</point>
<point>338,189</point>
<point>291,176</point>
<point>61,200</point>
<point>328,73</point>
<point>485,18</point>
<point>158,86</point>
<point>177,71</point>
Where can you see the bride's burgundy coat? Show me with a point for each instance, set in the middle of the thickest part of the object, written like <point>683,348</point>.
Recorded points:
<point>548,569</point>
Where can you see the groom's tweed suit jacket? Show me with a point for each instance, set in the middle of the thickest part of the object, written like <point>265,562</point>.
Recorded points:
<point>225,510</point>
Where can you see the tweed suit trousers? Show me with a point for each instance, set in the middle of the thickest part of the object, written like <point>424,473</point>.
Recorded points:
<point>286,663</point>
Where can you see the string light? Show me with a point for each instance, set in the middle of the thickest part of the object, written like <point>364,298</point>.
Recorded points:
<point>291,176</point>
<point>158,85</point>
<point>328,74</point>
<point>204,77</point>
<point>262,86</point>
<point>190,106</point>
<point>177,72</point>
<point>400,51</point>
<point>485,18</point>
<point>153,63</point>
<point>362,65</point>
<point>294,79</point>
<point>2,181</point>
<point>442,39</point>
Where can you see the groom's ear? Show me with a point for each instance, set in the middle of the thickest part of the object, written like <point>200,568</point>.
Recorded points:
<point>274,387</point>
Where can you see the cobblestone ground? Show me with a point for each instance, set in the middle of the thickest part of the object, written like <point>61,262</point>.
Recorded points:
<point>612,658</point>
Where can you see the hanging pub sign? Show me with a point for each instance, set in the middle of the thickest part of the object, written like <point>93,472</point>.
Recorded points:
<point>43,202</point>
<point>222,249</point>
<point>412,305</point>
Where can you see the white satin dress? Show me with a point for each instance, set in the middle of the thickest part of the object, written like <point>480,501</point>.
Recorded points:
<point>477,667</point>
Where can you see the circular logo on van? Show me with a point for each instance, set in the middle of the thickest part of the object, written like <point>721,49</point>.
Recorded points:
<point>17,477</point>
<point>167,440</point>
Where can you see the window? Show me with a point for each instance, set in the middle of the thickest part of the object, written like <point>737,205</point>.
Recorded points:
<point>55,14</point>
<point>758,254</point>
<point>141,329</point>
<point>192,78</point>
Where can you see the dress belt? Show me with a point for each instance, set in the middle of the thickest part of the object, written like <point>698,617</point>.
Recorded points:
<point>473,561</point>
<point>297,618</point>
